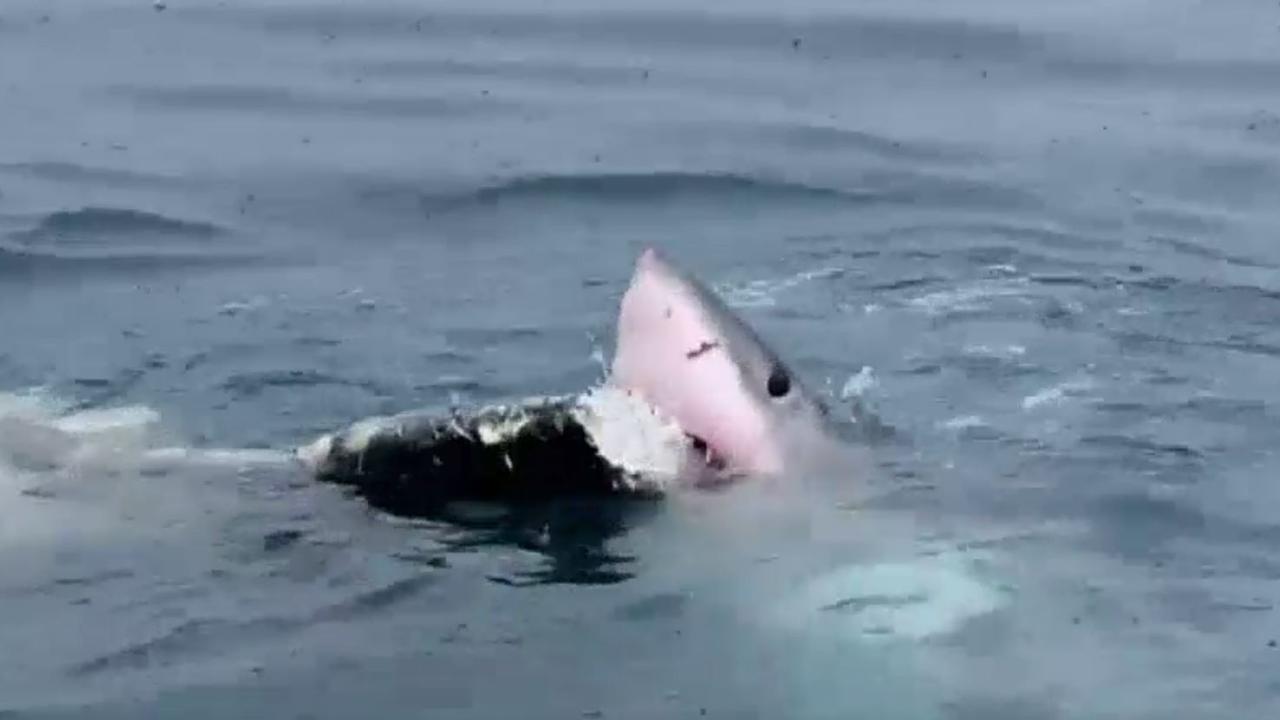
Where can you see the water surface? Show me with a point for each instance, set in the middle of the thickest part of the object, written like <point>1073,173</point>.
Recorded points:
<point>1036,240</point>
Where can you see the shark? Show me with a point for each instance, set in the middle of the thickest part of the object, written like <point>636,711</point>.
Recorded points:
<point>685,352</point>
<point>693,395</point>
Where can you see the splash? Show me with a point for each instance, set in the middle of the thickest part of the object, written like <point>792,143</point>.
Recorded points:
<point>65,471</point>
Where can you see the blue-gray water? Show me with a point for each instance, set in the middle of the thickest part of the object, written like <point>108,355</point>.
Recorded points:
<point>1039,240</point>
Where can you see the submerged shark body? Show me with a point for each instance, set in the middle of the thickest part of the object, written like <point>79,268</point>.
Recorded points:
<point>693,395</point>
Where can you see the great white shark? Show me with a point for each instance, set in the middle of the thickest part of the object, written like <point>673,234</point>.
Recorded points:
<point>692,393</point>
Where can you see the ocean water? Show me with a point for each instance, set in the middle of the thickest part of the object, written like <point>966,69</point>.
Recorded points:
<point>1038,242</point>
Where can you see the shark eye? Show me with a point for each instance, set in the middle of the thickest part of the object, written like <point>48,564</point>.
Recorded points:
<point>779,383</point>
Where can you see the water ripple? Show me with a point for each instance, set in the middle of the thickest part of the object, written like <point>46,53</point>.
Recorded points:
<point>253,384</point>
<point>655,185</point>
<point>75,173</point>
<point>1195,249</point>
<point>17,260</point>
<point>265,100</point>
<point>204,636</point>
<point>706,32</point>
<point>557,72</point>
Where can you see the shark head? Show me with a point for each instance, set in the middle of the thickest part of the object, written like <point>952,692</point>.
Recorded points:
<point>682,350</point>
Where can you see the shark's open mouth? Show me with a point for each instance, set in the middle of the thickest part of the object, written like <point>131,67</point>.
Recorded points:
<point>714,460</point>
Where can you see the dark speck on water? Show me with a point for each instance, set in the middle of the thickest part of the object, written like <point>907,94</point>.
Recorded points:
<point>1029,247</point>
<point>280,539</point>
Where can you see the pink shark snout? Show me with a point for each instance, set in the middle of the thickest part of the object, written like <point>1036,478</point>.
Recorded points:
<point>687,354</point>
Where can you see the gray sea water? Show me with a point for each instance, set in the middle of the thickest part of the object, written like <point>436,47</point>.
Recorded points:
<point>1037,240</point>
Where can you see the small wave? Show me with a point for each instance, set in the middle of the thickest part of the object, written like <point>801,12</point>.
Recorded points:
<point>199,637</point>
<point>1187,74</point>
<point>252,384</point>
<point>961,191</point>
<point>522,70</point>
<point>377,600</point>
<point>1229,410</point>
<point>908,283</point>
<point>670,29</point>
<point>1239,295</point>
<point>115,239</point>
<point>969,298</point>
<point>96,223</point>
<point>74,173</point>
<point>900,187</point>
<point>1004,246</point>
<point>1207,252</point>
<point>659,184</point>
<point>190,637</point>
<point>833,137</point>
<point>1183,218</point>
<point>260,100</point>
<point>18,260</point>
<point>1246,346</point>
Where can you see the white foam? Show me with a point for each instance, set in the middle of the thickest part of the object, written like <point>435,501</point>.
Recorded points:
<point>631,434</point>
<point>912,600</point>
<point>493,432</point>
<point>969,297</point>
<point>963,422</point>
<point>763,293</point>
<point>1054,393</point>
<point>239,459</point>
<point>1005,351</point>
<point>37,431</point>
<point>131,418</point>
<point>858,385</point>
<point>66,473</point>
<point>361,433</point>
<point>315,454</point>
